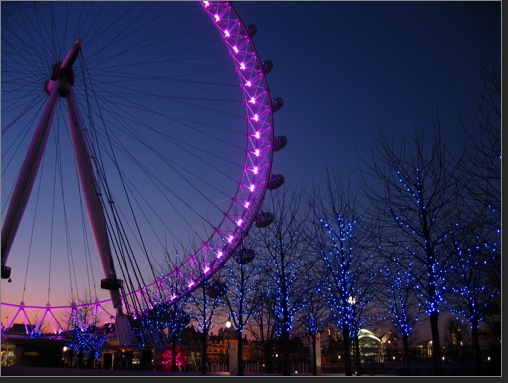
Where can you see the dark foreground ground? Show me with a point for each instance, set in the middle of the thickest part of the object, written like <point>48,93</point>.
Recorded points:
<point>25,371</point>
<point>52,371</point>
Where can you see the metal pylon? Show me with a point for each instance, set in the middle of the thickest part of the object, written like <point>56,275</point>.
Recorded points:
<point>60,85</point>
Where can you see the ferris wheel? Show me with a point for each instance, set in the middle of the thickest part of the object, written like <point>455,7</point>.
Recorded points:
<point>137,148</point>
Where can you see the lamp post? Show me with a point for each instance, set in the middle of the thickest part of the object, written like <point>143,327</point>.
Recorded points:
<point>226,336</point>
<point>352,301</point>
<point>64,356</point>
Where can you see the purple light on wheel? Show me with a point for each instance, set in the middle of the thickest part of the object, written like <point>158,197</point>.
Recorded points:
<point>240,215</point>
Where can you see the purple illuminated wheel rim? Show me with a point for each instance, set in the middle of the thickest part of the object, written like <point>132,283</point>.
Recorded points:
<point>246,203</point>
<point>258,159</point>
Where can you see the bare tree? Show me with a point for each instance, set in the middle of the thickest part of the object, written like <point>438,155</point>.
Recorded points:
<point>482,162</point>
<point>415,192</point>
<point>263,328</point>
<point>203,305</point>
<point>476,273</point>
<point>282,247</point>
<point>314,314</point>
<point>398,298</point>
<point>341,241</point>
<point>85,338</point>
<point>243,294</point>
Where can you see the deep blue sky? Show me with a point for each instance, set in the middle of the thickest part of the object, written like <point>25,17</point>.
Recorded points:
<point>342,68</point>
<point>345,67</point>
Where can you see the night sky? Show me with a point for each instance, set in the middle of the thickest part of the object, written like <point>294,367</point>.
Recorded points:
<point>344,69</point>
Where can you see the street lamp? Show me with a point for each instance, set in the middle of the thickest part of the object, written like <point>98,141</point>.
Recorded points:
<point>353,324</point>
<point>65,356</point>
<point>226,336</point>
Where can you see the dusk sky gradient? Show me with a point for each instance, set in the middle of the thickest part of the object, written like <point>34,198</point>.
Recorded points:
<point>346,68</point>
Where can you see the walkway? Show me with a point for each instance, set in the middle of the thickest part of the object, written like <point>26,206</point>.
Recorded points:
<point>54,371</point>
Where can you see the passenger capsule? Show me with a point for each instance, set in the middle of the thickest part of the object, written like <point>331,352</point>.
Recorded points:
<point>251,30</point>
<point>263,219</point>
<point>279,142</point>
<point>267,66</point>
<point>244,256</point>
<point>276,181</point>
<point>277,103</point>
<point>216,289</point>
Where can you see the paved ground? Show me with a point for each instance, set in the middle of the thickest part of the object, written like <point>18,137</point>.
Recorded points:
<point>50,371</point>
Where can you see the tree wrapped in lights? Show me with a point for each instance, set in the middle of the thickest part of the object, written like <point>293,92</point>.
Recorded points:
<point>415,194</point>
<point>161,322</point>
<point>399,299</point>
<point>86,340</point>
<point>85,336</point>
<point>172,357</point>
<point>160,327</point>
<point>476,275</point>
<point>341,241</point>
<point>283,249</point>
<point>475,287</point>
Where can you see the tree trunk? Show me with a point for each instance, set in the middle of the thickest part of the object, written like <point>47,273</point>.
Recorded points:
<point>476,347</point>
<point>347,350</point>
<point>268,357</point>
<point>203,352</point>
<point>173,353</point>
<point>407,359</point>
<point>436,344</point>
<point>285,354</point>
<point>314,355</point>
<point>173,356</point>
<point>240,354</point>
